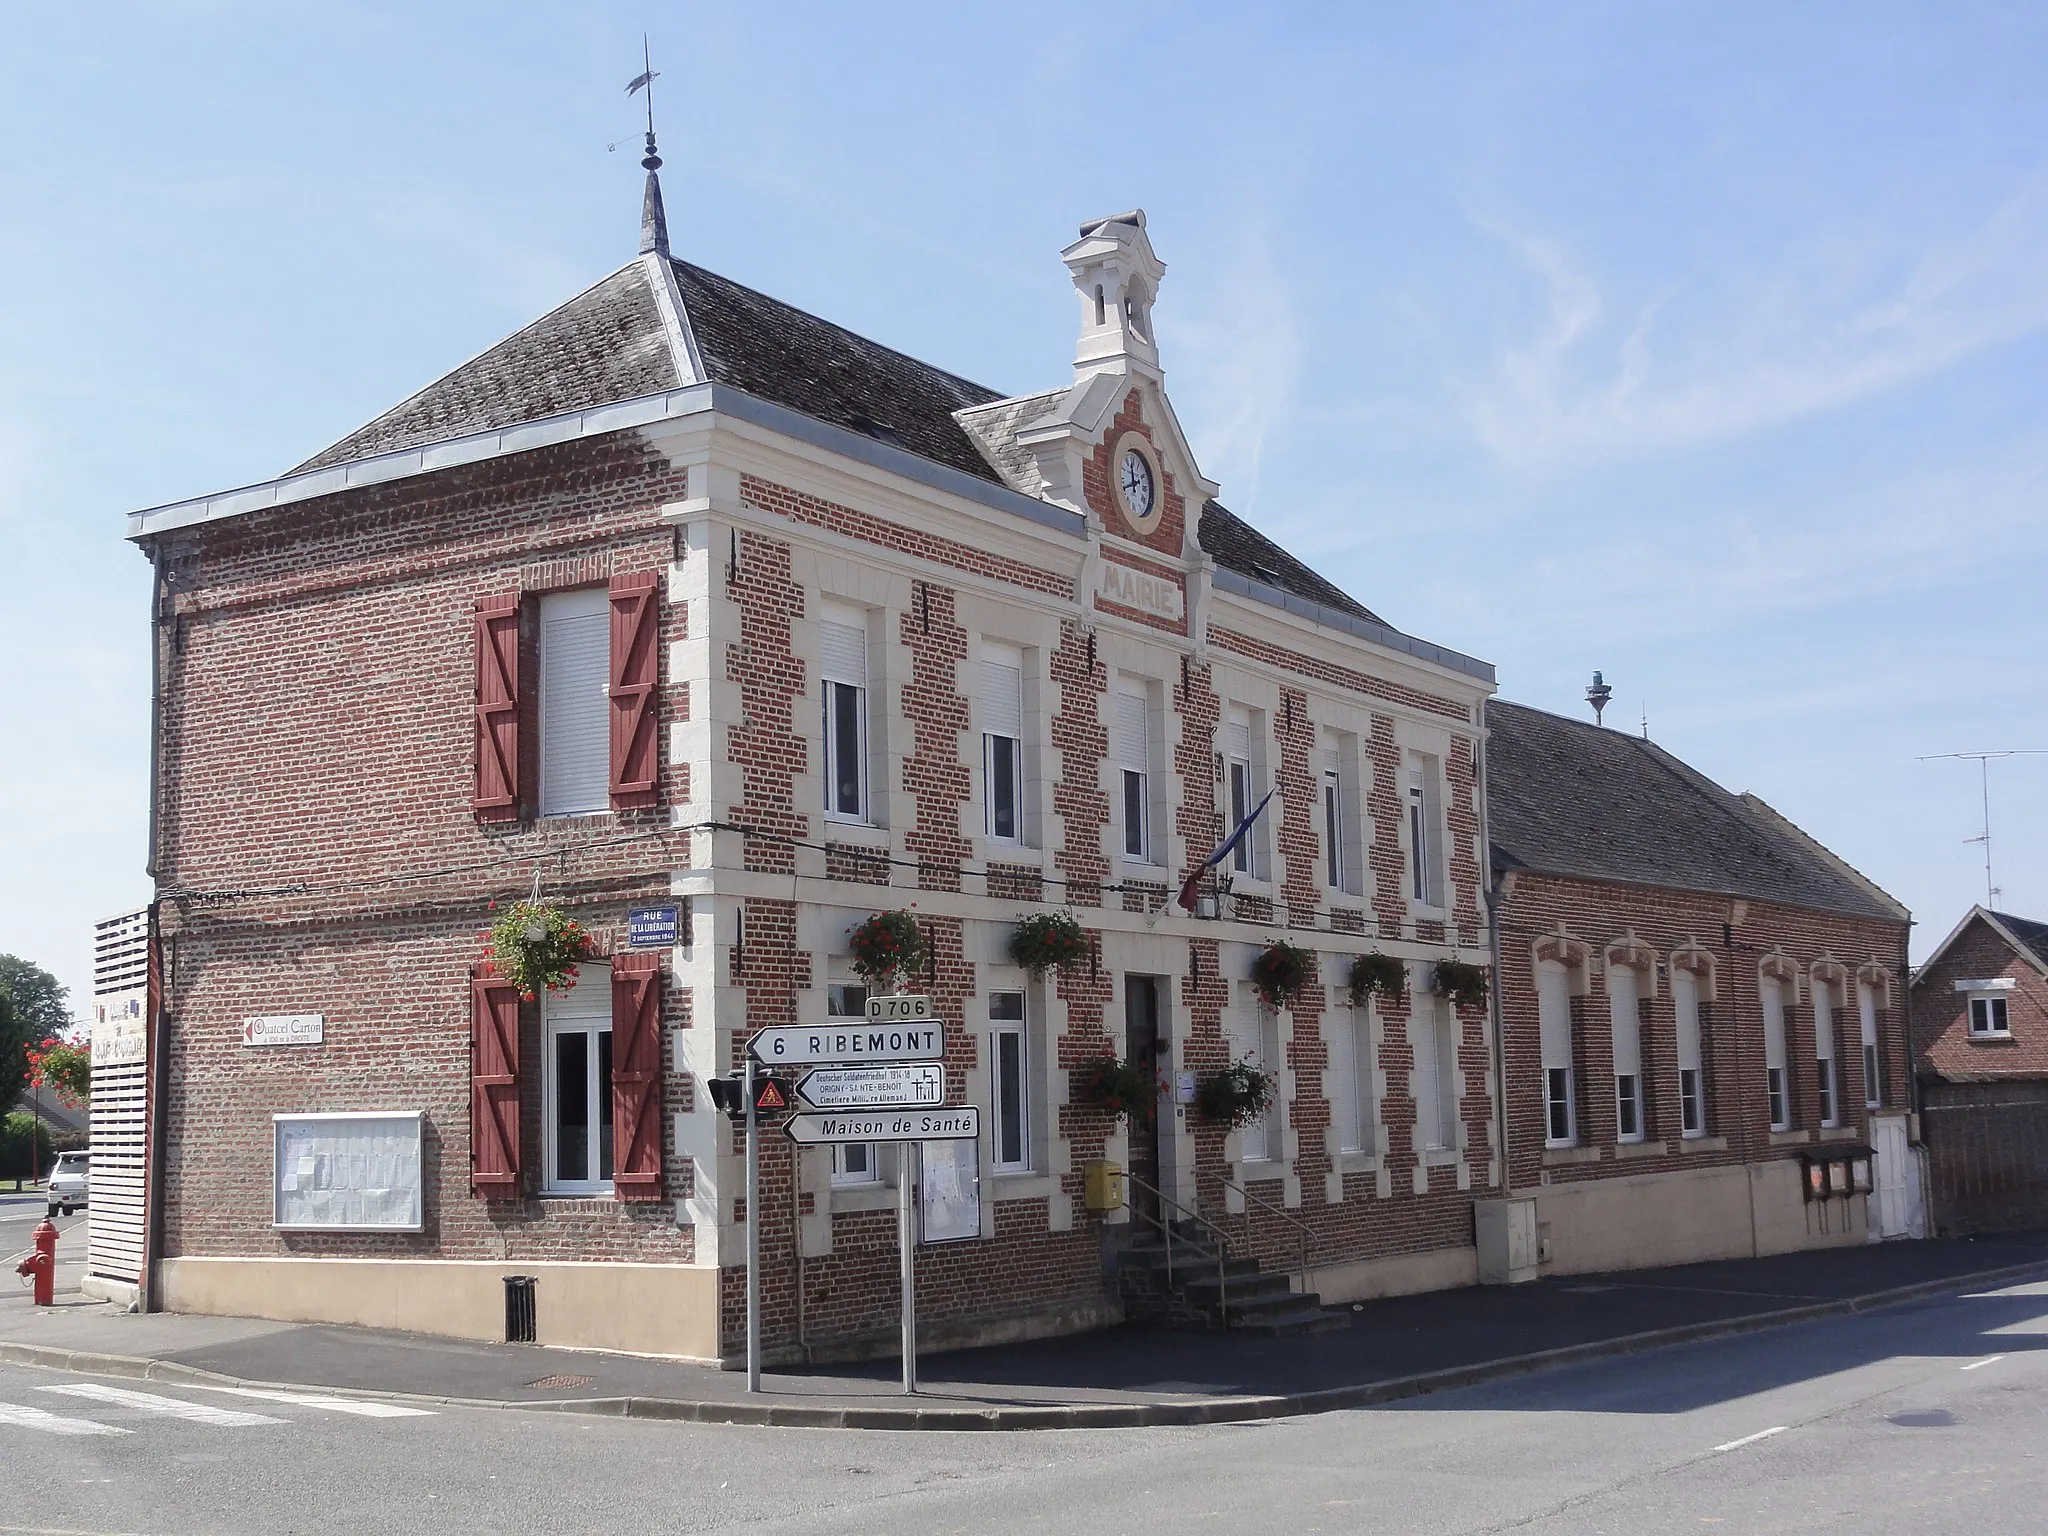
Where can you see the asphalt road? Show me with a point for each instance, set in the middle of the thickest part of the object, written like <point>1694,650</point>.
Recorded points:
<point>1930,1419</point>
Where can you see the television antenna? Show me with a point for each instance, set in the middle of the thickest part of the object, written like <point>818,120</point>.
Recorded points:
<point>1983,762</point>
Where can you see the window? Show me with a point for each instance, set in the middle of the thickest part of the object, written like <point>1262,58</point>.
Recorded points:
<point>1333,828</point>
<point>575,715</point>
<point>1132,749</point>
<point>1352,1107</point>
<point>1257,1142</point>
<point>1873,1067</point>
<point>1692,1093</point>
<point>1009,1061</point>
<point>576,1126</point>
<point>1775,1086</point>
<point>1824,1051</point>
<point>1435,1044</point>
<point>843,667</point>
<point>853,1162</point>
<point>1241,770</point>
<point>1002,741</point>
<point>1425,855</point>
<point>1987,1015</point>
<point>1554,1019</point>
<point>1628,1052</point>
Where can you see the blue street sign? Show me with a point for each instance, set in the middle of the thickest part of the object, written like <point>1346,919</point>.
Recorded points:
<point>651,928</point>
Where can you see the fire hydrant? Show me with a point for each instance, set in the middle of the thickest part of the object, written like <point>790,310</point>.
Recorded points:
<point>42,1264</point>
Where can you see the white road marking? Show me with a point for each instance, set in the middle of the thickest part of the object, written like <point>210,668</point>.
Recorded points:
<point>355,1405</point>
<point>202,1413</point>
<point>50,1424</point>
<point>1762,1434</point>
<point>1980,1364</point>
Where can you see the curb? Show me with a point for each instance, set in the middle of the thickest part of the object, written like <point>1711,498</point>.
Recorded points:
<point>1219,1410</point>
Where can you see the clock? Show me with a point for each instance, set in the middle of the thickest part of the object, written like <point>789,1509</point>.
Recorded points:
<point>1134,480</point>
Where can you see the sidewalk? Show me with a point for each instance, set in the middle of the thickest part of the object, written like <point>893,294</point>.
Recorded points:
<point>1126,1376</point>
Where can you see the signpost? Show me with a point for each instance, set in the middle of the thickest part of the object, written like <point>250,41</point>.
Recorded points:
<point>916,1086</point>
<point>878,1081</point>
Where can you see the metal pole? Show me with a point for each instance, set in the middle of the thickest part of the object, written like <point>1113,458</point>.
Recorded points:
<point>753,1233</point>
<point>906,1237</point>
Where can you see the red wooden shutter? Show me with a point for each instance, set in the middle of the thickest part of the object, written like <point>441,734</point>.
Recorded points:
<point>497,708</point>
<point>636,670</point>
<point>493,1086</point>
<point>636,1076</point>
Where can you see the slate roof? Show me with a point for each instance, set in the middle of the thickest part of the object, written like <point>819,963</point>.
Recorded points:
<point>1567,797</point>
<point>2032,936</point>
<point>609,344</point>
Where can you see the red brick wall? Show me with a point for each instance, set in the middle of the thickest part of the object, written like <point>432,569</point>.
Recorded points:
<point>1942,1046</point>
<point>1098,483</point>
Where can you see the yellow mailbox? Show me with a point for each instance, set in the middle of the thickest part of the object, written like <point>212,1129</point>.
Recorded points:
<point>1103,1185</point>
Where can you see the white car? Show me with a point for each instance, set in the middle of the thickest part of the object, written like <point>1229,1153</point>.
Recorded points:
<point>68,1182</point>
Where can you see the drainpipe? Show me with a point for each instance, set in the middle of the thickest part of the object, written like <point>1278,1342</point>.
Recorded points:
<point>1493,886</point>
<point>156,688</point>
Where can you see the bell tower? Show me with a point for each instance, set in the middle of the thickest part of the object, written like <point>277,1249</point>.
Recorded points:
<point>1117,277</point>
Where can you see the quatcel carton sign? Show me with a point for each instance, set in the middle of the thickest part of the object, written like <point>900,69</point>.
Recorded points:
<point>285,1029</point>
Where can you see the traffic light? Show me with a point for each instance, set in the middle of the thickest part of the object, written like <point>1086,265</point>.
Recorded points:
<point>728,1094</point>
<point>772,1096</point>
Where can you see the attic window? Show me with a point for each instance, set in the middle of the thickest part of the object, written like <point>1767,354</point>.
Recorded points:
<point>1266,573</point>
<point>880,431</point>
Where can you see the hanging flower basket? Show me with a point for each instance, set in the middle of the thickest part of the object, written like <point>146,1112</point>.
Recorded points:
<point>1462,982</point>
<point>1377,975</point>
<point>1048,941</point>
<point>1237,1095</point>
<point>538,948</point>
<point>1123,1089</point>
<point>887,946</point>
<point>1281,970</point>
<point>63,1068</point>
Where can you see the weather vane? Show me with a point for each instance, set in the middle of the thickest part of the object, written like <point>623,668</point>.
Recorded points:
<point>645,81</point>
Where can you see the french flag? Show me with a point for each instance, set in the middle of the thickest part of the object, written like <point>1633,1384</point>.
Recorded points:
<point>1222,852</point>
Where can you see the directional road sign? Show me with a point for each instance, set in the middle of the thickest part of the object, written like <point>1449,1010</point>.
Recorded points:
<point>905,1086</point>
<point>783,1045</point>
<point>960,1123</point>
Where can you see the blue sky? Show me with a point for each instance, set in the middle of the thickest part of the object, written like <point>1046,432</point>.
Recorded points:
<point>1703,344</point>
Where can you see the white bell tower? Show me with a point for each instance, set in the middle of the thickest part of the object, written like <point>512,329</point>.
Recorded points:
<point>1117,277</point>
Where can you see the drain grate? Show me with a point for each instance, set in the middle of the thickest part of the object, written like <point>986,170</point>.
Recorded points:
<point>562,1381</point>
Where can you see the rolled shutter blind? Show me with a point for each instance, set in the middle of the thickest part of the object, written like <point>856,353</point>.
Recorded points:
<point>843,652</point>
<point>494,1086</point>
<point>1237,740</point>
<point>1002,698</point>
<point>1628,1033</point>
<point>636,1076</point>
<point>1554,1011</point>
<point>1685,997</point>
<point>1823,1021</point>
<point>575,726</point>
<point>1130,732</point>
<point>1774,1023</point>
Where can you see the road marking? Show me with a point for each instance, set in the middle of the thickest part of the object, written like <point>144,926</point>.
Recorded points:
<point>202,1413</point>
<point>356,1405</point>
<point>1980,1364</point>
<point>50,1424</point>
<point>1762,1434</point>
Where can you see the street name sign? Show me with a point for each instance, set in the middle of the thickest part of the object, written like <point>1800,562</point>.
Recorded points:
<point>960,1123</point>
<point>907,1086</point>
<point>653,927</point>
<point>782,1045</point>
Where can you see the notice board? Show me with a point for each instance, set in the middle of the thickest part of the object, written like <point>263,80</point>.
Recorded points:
<point>353,1172</point>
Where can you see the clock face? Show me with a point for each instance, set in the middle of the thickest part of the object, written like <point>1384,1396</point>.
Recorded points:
<point>1134,479</point>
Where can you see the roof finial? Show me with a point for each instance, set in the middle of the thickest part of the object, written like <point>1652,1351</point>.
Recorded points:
<point>653,220</point>
<point>1597,696</point>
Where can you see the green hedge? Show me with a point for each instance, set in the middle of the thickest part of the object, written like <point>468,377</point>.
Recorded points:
<point>22,1136</point>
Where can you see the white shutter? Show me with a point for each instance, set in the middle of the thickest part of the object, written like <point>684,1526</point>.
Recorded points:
<point>1823,1022</point>
<point>1237,737</point>
<point>1774,1024</point>
<point>1129,745</point>
<point>1866,1006</point>
<point>1554,1011</point>
<point>843,649</point>
<point>1343,1028</point>
<point>575,716</point>
<point>1685,998</point>
<point>1628,1035</point>
<point>1002,692</point>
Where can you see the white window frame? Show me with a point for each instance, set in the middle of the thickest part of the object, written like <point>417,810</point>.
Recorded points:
<point>836,679</point>
<point>1993,1007</point>
<point>1873,1064</point>
<point>1243,783</point>
<point>1554,1024</point>
<point>574,716</point>
<point>1692,1077</point>
<point>1264,1050</point>
<point>1423,799</point>
<point>1356,1110</point>
<point>1435,1049</point>
<point>1011,1036</point>
<point>584,1011</point>
<point>1334,864</point>
<point>1777,1086</point>
<point>1002,738</point>
<point>855,1164</point>
<point>1136,840</point>
<point>1625,1022</point>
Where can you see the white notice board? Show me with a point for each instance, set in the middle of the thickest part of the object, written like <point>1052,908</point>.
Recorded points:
<point>949,1191</point>
<point>355,1172</point>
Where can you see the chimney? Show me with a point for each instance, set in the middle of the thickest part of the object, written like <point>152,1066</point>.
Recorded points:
<point>1597,696</point>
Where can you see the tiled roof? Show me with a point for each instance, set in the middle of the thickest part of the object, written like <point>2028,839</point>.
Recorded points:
<point>995,428</point>
<point>2031,934</point>
<point>1240,547</point>
<point>1567,797</point>
<point>603,345</point>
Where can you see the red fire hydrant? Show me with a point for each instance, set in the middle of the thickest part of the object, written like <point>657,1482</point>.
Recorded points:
<point>42,1264</point>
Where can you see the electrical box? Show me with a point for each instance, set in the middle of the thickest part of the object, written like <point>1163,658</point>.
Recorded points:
<point>1506,1235</point>
<point>1103,1185</point>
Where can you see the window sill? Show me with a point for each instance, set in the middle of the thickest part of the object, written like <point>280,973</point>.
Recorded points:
<point>557,818</point>
<point>1022,1185</point>
<point>1439,1157</point>
<point>561,1202</point>
<point>1626,1150</point>
<point>1358,1162</point>
<point>2004,1039</point>
<point>863,1197</point>
<point>1840,1133</point>
<point>1560,1157</point>
<point>861,834</point>
<point>1789,1138</point>
<point>1265,1170</point>
<point>1703,1144</point>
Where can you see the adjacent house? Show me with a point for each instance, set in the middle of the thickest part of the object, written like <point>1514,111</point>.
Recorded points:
<point>1703,1012</point>
<point>1980,1050</point>
<point>683,598</point>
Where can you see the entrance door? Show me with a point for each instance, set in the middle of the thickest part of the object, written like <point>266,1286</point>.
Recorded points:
<point>1141,1050</point>
<point>1891,1197</point>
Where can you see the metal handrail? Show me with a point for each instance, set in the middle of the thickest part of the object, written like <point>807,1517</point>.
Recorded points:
<point>1305,1233</point>
<point>1166,1231</point>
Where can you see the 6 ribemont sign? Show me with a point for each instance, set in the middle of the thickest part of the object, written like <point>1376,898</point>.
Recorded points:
<point>960,1123</point>
<point>789,1044</point>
